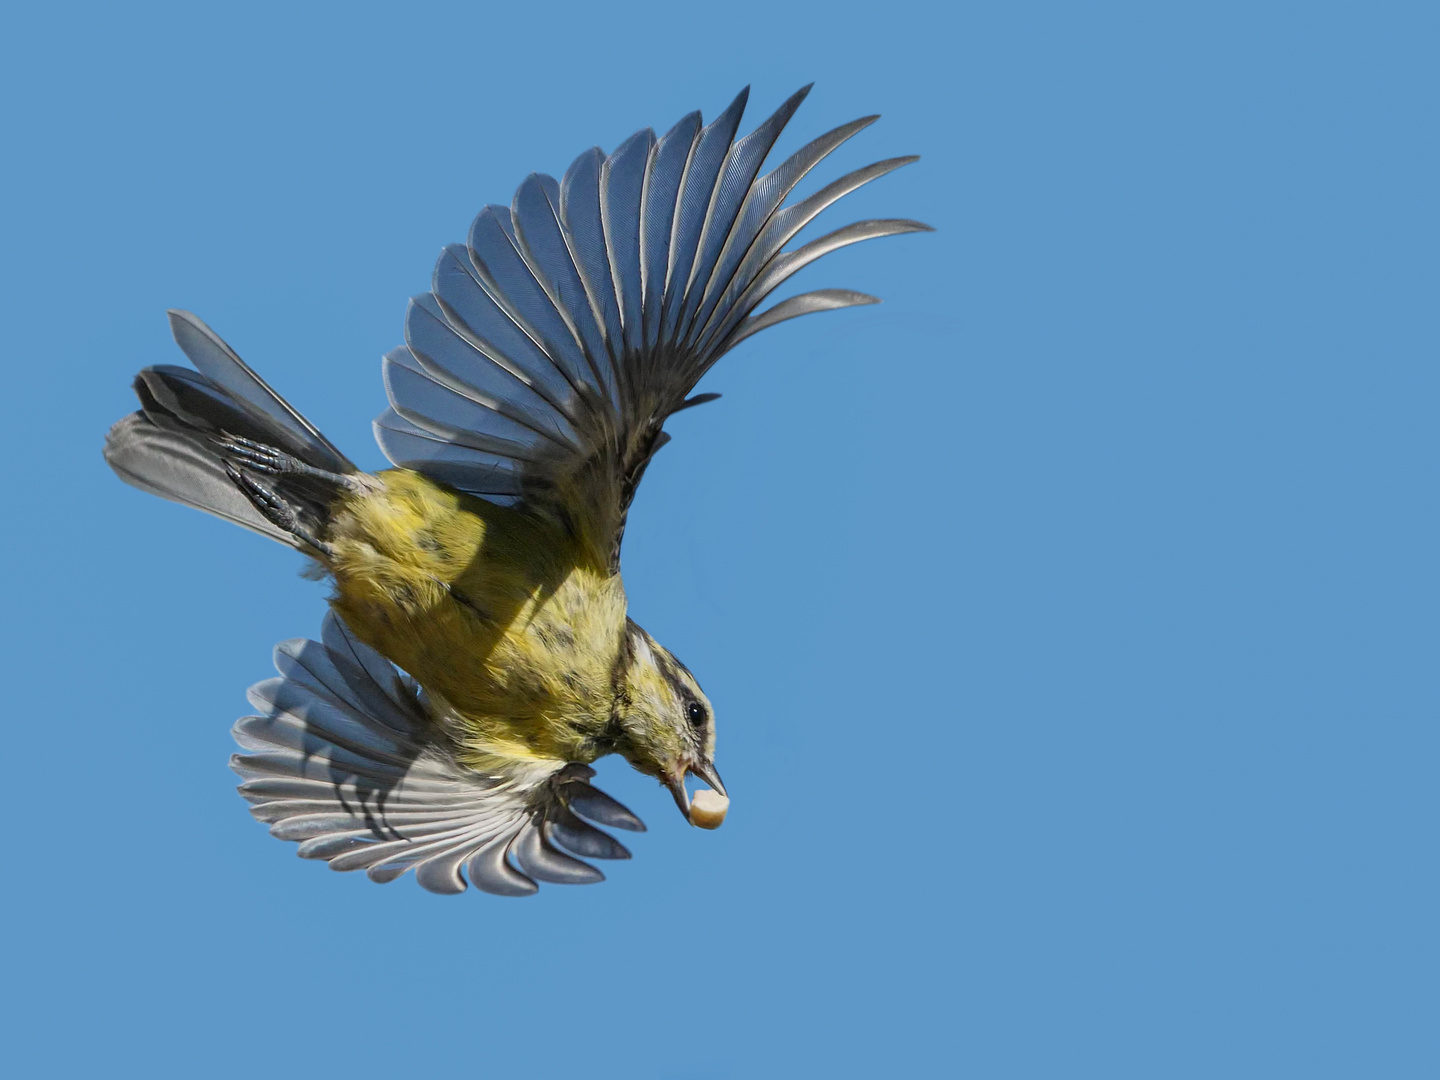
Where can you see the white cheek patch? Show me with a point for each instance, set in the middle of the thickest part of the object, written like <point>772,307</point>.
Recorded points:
<point>642,651</point>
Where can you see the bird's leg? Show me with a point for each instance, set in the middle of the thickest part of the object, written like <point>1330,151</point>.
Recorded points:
<point>257,457</point>
<point>275,509</point>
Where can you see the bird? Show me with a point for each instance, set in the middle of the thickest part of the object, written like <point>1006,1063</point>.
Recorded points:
<point>478,655</point>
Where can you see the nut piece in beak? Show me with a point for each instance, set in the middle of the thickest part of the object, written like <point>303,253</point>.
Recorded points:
<point>708,809</point>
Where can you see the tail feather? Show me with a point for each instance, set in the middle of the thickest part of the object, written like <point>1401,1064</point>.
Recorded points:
<point>168,464</point>
<point>182,446</point>
<point>226,372</point>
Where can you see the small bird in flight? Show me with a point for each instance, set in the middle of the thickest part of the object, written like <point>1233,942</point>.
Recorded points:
<point>528,399</point>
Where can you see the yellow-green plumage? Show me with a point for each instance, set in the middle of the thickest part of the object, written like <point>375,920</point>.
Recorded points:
<point>513,631</point>
<point>540,370</point>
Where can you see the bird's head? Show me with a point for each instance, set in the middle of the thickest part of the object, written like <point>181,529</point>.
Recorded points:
<point>667,724</point>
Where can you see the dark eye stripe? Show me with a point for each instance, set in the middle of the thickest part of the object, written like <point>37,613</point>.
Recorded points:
<point>671,675</point>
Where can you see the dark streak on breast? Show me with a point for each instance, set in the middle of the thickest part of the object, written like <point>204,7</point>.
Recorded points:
<point>465,602</point>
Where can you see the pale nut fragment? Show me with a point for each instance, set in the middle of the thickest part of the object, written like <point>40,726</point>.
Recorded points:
<point>708,809</point>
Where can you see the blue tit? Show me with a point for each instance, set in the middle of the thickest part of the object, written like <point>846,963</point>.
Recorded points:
<point>479,654</point>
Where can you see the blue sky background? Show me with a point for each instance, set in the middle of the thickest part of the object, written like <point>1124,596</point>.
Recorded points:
<point>1071,618</point>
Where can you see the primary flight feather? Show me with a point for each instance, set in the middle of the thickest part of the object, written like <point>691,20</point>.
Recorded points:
<point>528,399</point>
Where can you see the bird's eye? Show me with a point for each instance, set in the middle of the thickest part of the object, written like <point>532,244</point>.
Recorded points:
<point>695,712</point>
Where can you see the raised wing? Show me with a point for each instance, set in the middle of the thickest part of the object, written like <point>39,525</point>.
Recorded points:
<point>557,340</point>
<point>343,761</point>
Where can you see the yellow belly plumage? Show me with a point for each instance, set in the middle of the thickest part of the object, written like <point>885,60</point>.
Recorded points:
<point>497,612</point>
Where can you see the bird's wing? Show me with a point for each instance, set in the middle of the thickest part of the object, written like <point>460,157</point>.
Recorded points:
<point>557,340</point>
<point>343,762</point>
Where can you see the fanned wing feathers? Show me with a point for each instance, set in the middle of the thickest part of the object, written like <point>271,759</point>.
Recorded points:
<point>342,762</point>
<point>558,339</point>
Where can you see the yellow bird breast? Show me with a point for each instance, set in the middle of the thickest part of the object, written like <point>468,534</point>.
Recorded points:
<point>493,610</point>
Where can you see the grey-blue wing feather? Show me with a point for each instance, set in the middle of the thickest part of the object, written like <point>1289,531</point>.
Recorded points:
<point>344,762</point>
<point>733,189</point>
<point>692,210</point>
<point>587,310</point>
<point>657,218</point>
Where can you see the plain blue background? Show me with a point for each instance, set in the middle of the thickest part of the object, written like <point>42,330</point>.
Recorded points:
<point>1071,618</point>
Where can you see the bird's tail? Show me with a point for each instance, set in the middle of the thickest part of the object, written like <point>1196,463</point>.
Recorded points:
<point>220,440</point>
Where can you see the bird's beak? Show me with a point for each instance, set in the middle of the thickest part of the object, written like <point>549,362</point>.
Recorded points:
<point>706,771</point>
<point>676,783</point>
